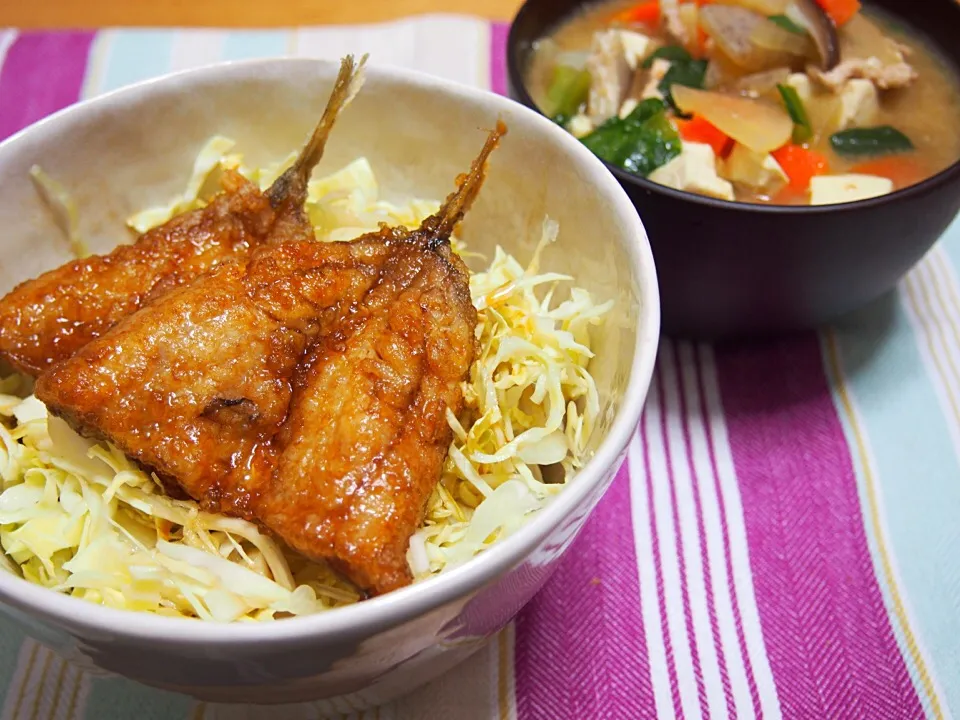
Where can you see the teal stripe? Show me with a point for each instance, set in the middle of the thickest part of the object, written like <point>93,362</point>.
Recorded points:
<point>951,243</point>
<point>125,700</point>
<point>11,638</point>
<point>247,44</point>
<point>916,473</point>
<point>136,55</point>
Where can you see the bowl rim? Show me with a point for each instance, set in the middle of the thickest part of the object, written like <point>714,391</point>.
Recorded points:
<point>80,617</point>
<point>949,174</point>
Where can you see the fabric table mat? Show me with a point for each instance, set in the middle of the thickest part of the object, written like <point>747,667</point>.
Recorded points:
<point>781,543</point>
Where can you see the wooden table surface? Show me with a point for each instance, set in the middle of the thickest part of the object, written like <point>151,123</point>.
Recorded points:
<point>233,13</point>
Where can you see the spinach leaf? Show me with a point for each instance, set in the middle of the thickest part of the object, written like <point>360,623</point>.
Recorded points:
<point>673,53</point>
<point>870,141</point>
<point>638,143</point>
<point>682,72</point>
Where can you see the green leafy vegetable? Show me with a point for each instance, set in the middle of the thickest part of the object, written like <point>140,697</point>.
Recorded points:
<point>787,24</point>
<point>567,92</point>
<point>673,53</point>
<point>802,129</point>
<point>638,143</point>
<point>880,140</point>
<point>684,70</point>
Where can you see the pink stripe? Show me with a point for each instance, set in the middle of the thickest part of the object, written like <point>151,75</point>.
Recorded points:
<point>678,539</point>
<point>43,73</point>
<point>727,553</point>
<point>498,57</point>
<point>658,560</point>
<point>828,637</point>
<point>698,507</point>
<point>580,650</point>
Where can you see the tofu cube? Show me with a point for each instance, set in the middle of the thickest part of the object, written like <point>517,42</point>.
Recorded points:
<point>694,170</point>
<point>636,47</point>
<point>801,83</point>
<point>579,125</point>
<point>859,104</point>
<point>610,76</point>
<point>834,189</point>
<point>657,70</point>
<point>755,170</point>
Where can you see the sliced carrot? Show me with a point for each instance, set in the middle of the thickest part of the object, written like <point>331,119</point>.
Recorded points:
<point>902,169</point>
<point>840,11</point>
<point>702,38</point>
<point>800,164</point>
<point>699,130</point>
<point>646,12</point>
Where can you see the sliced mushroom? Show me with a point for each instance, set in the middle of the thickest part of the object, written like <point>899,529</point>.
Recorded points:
<point>821,28</point>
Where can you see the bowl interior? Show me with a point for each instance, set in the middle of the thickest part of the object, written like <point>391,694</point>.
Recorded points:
<point>135,148</point>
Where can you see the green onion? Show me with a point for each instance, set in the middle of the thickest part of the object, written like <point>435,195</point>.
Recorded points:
<point>567,92</point>
<point>870,141</point>
<point>638,143</point>
<point>787,24</point>
<point>802,129</point>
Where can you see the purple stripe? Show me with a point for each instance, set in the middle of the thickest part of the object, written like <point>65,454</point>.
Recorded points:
<point>658,560</point>
<point>828,636</point>
<point>701,531</point>
<point>498,57</point>
<point>580,650</point>
<point>678,539</point>
<point>727,552</point>
<point>43,73</point>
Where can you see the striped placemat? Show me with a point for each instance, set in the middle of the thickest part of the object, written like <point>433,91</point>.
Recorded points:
<point>781,543</point>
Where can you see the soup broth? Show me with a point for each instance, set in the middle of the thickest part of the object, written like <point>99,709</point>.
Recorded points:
<point>884,116</point>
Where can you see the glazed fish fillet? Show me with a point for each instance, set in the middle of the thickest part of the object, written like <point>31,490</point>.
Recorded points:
<point>48,319</point>
<point>306,388</point>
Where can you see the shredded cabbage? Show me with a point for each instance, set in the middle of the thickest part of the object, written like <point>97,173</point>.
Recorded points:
<point>79,517</point>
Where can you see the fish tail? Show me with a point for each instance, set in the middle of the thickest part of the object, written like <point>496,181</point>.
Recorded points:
<point>441,226</point>
<point>292,184</point>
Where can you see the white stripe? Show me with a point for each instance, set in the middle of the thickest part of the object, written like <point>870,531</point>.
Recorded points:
<point>931,321</point>
<point>6,41</point>
<point>22,693</point>
<point>97,64</point>
<point>713,529</point>
<point>652,621</point>
<point>669,566</point>
<point>46,693</point>
<point>83,693</point>
<point>449,47</point>
<point>690,536</point>
<point>742,576</point>
<point>195,48</point>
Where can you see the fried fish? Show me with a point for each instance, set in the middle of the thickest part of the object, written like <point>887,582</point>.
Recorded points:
<point>49,318</point>
<point>306,388</point>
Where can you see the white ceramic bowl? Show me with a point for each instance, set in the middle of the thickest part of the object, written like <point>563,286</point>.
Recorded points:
<point>135,147</point>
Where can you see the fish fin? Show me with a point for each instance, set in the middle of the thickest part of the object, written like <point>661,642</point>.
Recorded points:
<point>441,225</point>
<point>292,184</point>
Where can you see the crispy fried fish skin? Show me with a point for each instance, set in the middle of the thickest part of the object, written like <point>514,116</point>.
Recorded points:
<point>195,385</point>
<point>367,435</point>
<point>48,319</point>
